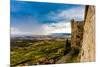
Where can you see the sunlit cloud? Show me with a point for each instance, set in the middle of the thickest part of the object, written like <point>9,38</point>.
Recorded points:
<point>60,27</point>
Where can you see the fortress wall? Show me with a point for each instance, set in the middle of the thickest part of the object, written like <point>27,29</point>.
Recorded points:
<point>77,33</point>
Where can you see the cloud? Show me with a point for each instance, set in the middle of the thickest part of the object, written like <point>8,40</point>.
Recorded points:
<point>60,27</point>
<point>39,30</point>
<point>16,31</point>
<point>76,13</point>
<point>44,21</point>
<point>62,19</point>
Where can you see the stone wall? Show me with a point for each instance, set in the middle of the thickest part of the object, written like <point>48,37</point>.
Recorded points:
<point>77,33</point>
<point>88,44</point>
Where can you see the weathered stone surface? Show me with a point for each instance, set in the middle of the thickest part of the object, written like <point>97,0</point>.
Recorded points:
<point>77,33</point>
<point>88,44</point>
<point>83,35</point>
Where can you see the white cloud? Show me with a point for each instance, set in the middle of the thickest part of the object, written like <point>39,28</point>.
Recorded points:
<point>63,26</point>
<point>60,27</point>
<point>68,14</point>
<point>16,31</point>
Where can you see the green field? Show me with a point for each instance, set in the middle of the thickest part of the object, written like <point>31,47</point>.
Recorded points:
<point>30,52</point>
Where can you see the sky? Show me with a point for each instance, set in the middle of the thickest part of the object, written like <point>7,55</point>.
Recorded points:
<point>39,18</point>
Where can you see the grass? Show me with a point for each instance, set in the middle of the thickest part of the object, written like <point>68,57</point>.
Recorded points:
<point>32,52</point>
<point>39,52</point>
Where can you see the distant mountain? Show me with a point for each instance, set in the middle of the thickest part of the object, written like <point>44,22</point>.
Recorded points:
<point>61,35</point>
<point>53,35</point>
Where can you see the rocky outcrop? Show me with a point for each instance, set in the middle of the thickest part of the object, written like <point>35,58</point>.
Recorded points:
<point>88,43</point>
<point>83,36</point>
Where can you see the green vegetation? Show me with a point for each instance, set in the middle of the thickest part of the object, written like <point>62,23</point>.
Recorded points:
<point>33,52</point>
